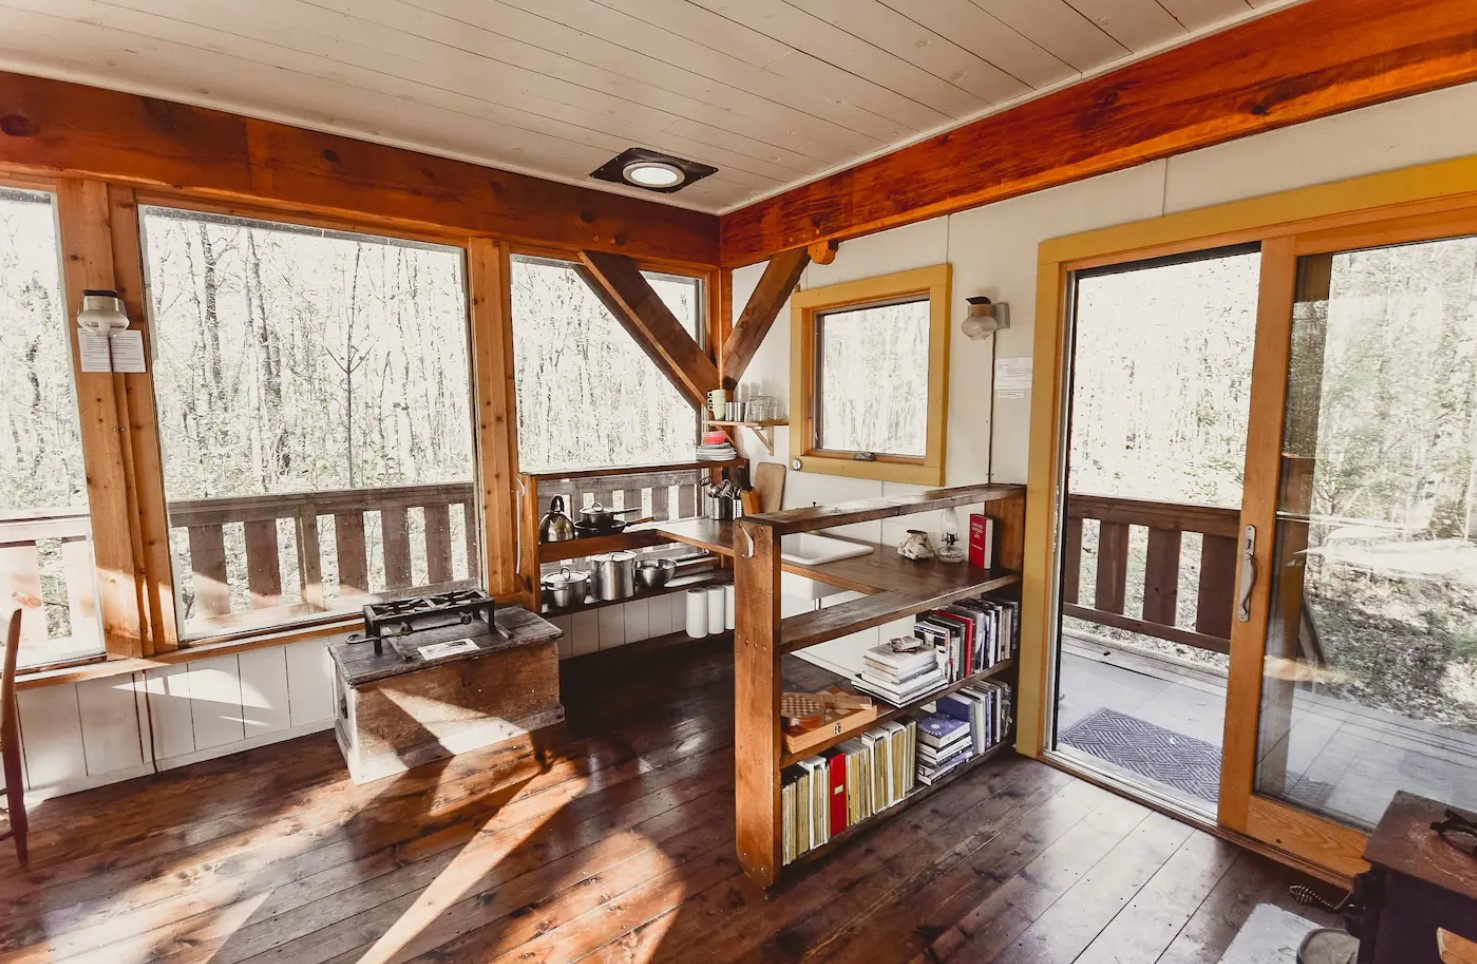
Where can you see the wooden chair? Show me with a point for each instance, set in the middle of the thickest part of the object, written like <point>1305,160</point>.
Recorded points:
<point>10,744</point>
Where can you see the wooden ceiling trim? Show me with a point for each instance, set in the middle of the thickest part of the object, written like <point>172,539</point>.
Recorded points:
<point>780,277</point>
<point>1256,76</point>
<point>627,295</point>
<point>53,127</point>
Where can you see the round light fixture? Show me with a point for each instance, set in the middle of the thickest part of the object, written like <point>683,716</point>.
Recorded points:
<point>656,174</point>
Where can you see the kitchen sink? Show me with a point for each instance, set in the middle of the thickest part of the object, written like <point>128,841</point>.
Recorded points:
<point>809,549</point>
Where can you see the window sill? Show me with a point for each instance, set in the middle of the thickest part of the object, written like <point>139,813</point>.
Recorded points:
<point>123,666</point>
<point>915,473</point>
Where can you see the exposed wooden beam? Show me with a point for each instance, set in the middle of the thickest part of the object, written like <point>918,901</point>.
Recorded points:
<point>1294,65</point>
<point>822,252</point>
<point>52,127</point>
<point>630,298</point>
<point>780,277</point>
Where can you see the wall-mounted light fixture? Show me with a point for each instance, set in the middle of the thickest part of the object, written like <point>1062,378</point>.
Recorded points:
<point>985,317</point>
<point>102,311</point>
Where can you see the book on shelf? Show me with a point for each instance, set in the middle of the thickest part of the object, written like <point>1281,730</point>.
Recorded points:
<point>981,540</point>
<point>901,696</point>
<point>823,795</point>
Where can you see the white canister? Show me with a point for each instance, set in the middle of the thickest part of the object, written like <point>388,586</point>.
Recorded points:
<point>715,609</point>
<point>730,599</point>
<point>697,612</point>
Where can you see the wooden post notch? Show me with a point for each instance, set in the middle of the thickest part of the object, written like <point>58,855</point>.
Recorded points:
<point>628,296</point>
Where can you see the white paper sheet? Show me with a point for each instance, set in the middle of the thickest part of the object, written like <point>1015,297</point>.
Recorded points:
<point>128,351</point>
<point>92,351</point>
<point>1012,377</point>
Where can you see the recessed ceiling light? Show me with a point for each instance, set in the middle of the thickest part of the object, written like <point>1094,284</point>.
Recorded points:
<point>652,174</point>
<point>652,170</point>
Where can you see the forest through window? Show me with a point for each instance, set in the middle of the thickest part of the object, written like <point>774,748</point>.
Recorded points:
<point>314,410</point>
<point>588,396</point>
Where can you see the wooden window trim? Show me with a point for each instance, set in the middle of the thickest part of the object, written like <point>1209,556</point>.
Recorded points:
<point>1409,204</point>
<point>935,282</point>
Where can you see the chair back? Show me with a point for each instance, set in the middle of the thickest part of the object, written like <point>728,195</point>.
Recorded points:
<point>9,718</point>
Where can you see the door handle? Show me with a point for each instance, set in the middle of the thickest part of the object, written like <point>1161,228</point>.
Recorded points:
<point>1247,576</point>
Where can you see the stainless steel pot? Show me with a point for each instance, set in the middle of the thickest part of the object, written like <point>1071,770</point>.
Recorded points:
<point>599,517</point>
<point>615,575</point>
<point>655,573</point>
<point>565,588</point>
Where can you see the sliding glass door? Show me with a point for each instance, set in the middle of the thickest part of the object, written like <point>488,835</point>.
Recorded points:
<point>1265,606</point>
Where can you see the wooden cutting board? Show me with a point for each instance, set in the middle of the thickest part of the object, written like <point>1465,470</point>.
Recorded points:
<point>769,482</point>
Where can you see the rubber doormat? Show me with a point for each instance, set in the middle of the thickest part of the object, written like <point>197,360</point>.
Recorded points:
<point>1189,765</point>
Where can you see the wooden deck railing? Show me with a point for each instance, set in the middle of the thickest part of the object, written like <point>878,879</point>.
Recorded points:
<point>1166,523</point>
<point>276,567</point>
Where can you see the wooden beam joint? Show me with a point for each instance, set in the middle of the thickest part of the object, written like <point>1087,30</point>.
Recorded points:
<point>780,277</point>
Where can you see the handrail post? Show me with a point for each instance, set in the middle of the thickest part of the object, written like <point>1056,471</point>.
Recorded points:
<point>756,678</point>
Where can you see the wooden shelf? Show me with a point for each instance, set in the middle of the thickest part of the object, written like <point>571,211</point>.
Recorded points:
<point>633,469</point>
<point>763,430</point>
<point>920,792</point>
<point>891,713</point>
<point>580,547</point>
<point>710,577</point>
<point>813,628</point>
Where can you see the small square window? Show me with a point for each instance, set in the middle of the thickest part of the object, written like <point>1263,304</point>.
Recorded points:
<point>870,376</point>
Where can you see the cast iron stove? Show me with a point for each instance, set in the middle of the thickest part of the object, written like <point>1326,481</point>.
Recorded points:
<point>399,618</point>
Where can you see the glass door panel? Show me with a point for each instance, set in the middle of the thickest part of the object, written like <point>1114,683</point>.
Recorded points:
<point>1160,384</point>
<point>1370,669</point>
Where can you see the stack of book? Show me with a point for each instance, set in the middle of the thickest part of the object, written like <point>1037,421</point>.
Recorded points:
<point>943,744</point>
<point>823,795</point>
<point>984,707</point>
<point>900,672</point>
<point>971,635</point>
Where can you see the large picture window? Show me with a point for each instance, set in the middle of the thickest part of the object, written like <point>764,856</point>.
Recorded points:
<point>588,396</point>
<point>314,405</point>
<point>46,560</point>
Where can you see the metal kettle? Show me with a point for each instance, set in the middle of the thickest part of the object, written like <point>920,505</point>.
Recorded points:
<point>556,525</point>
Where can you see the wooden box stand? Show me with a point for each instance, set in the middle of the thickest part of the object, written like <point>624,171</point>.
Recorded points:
<point>395,714</point>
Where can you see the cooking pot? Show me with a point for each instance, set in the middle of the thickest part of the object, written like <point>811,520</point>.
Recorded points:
<point>615,574</point>
<point>599,517</point>
<point>655,573</point>
<point>556,525</point>
<point>566,587</point>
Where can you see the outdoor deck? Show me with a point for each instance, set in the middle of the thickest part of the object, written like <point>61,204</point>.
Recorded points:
<point>1339,745</point>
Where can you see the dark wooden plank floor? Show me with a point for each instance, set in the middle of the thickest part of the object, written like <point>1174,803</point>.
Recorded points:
<point>617,847</point>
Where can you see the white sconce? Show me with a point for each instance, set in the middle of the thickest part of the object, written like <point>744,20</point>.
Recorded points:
<point>102,311</point>
<point>985,318</point>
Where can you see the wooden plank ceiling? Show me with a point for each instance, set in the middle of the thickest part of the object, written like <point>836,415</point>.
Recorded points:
<point>772,92</point>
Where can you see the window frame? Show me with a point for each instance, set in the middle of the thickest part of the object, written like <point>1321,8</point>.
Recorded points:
<point>933,283</point>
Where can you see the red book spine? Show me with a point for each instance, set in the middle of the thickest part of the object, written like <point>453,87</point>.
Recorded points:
<point>981,535</point>
<point>837,764</point>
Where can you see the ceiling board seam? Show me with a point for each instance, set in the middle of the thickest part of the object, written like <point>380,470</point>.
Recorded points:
<point>932,33</point>
<point>1009,29</point>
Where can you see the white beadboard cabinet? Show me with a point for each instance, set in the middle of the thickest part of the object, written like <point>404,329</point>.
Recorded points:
<point>80,735</point>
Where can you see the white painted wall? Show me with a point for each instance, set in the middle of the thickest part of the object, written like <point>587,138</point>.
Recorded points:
<point>994,250</point>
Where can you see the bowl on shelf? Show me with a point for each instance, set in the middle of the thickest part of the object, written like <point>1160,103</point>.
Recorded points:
<point>655,573</point>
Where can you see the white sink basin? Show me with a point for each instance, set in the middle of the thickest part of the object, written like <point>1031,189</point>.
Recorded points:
<point>808,549</point>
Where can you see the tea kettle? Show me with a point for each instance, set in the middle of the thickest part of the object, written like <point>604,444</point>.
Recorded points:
<point>556,525</point>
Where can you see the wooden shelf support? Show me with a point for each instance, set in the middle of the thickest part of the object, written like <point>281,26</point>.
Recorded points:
<point>764,431</point>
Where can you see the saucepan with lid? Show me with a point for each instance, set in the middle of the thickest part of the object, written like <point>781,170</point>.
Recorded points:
<point>566,588</point>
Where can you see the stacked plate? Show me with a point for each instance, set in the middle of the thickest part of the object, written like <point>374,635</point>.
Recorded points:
<point>715,447</point>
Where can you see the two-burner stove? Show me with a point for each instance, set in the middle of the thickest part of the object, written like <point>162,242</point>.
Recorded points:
<point>410,621</point>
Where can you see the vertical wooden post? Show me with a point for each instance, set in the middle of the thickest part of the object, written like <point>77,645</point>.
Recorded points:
<point>756,736</point>
<point>488,280</point>
<point>87,262</point>
<point>528,540</point>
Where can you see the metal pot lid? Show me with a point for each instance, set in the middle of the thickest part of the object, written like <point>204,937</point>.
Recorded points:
<point>620,555</point>
<point>565,577</point>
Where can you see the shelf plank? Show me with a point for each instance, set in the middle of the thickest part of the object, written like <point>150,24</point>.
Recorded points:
<point>813,628</point>
<point>593,545</point>
<point>892,713</point>
<point>760,423</point>
<point>635,469</point>
<point>920,792</point>
<point>708,577</point>
<point>869,510</point>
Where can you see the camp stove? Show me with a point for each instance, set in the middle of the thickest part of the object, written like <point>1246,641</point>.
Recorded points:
<point>401,618</point>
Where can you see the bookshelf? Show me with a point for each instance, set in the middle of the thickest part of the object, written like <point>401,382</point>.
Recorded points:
<point>895,589</point>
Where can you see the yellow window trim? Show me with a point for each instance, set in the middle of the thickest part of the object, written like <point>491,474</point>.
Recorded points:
<point>935,282</point>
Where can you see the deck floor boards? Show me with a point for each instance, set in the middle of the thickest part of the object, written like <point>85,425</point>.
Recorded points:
<point>616,846</point>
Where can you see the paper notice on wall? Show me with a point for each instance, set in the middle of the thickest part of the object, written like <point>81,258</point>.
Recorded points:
<point>1012,377</point>
<point>93,351</point>
<point>128,351</point>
